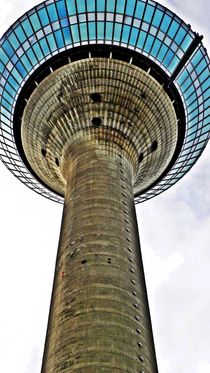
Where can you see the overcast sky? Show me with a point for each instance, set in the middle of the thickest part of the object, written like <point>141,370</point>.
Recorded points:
<point>174,233</point>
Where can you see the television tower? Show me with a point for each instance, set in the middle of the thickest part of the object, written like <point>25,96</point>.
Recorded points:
<point>104,104</point>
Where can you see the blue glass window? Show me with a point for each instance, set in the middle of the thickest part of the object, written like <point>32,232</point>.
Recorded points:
<point>35,21</point>
<point>20,34</point>
<point>26,62</point>
<point>162,52</point>
<point>83,31</point>
<point>38,51</point>
<point>16,75</point>
<point>21,69</point>
<point>8,49</point>
<point>117,31</point>
<point>92,30</point>
<point>186,42</point>
<point>67,36</point>
<point>27,28</point>
<point>1,65</point>
<point>141,39</point>
<point>52,12</point>
<point>157,18</point>
<point>134,35</point>
<point>59,38</point>
<point>156,47</point>
<point>61,9</point>
<point>125,34</point>
<point>165,23</point>
<point>130,7</point>
<point>81,6</point>
<point>13,82</point>
<point>14,41</point>
<point>149,42</point>
<point>100,30</point>
<point>3,57</point>
<point>43,17</point>
<point>110,5</point>
<point>75,33</point>
<point>109,30</point>
<point>71,7</point>
<point>148,13</point>
<point>44,46</point>
<point>100,5</point>
<point>120,6</point>
<point>139,10</point>
<point>173,29</point>
<point>180,35</point>
<point>51,42</point>
<point>91,5</point>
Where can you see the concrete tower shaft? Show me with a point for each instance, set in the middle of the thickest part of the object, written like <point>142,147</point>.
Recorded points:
<point>99,316</point>
<point>98,131</point>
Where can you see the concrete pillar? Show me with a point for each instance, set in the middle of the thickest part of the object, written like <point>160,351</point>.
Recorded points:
<point>99,317</point>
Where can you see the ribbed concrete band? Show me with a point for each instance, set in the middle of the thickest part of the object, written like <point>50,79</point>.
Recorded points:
<point>99,317</point>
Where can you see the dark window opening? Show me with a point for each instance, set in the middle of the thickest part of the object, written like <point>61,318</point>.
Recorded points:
<point>154,145</point>
<point>57,161</point>
<point>96,122</point>
<point>95,97</point>
<point>44,152</point>
<point>84,261</point>
<point>141,157</point>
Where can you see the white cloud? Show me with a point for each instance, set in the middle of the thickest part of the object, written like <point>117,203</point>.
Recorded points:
<point>203,367</point>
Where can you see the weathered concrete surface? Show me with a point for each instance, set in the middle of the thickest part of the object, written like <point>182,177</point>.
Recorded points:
<point>99,318</point>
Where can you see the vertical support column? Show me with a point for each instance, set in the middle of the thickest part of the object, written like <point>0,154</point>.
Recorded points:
<point>99,317</point>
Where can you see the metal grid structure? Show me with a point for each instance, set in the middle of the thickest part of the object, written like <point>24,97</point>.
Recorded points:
<point>143,26</point>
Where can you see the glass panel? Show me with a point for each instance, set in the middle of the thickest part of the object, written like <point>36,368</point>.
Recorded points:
<point>52,12</point>
<point>149,13</point>
<point>27,28</point>
<point>120,6</point>
<point>125,34</point>
<point>100,5</point>
<point>130,7</point>
<point>180,35</point>
<point>110,5</point>
<point>162,52</point>
<point>38,51</point>
<point>139,10</point>
<point>44,46</point>
<point>61,9</point>
<point>165,23</point>
<point>26,62</point>
<point>51,42</point>
<point>173,28</point>
<point>43,17</point>
<point>92,30</point>
<point>20,34</point>
<point>81,6</point>
<point>141,39</point>
<point>100,30</point>
<point>83,31</point>
<point>149,42</point>
<point>91,5</point>
<point>109,30</point>
<point>134,35</point>
<point>117,31</point>
<point>35,21</point>
<point>59,39</point>
<point>157,18</point>
<point>3,56</point>
<point>14,41</point>
<point>155,48</point>
<point>8,49</point>
<point>75,33</point>
<point>67,36</point>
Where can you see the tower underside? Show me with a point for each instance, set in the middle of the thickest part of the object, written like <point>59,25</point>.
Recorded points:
<point>98,131</point>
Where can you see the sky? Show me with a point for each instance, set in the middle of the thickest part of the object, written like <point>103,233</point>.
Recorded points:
<point>174,232</point>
